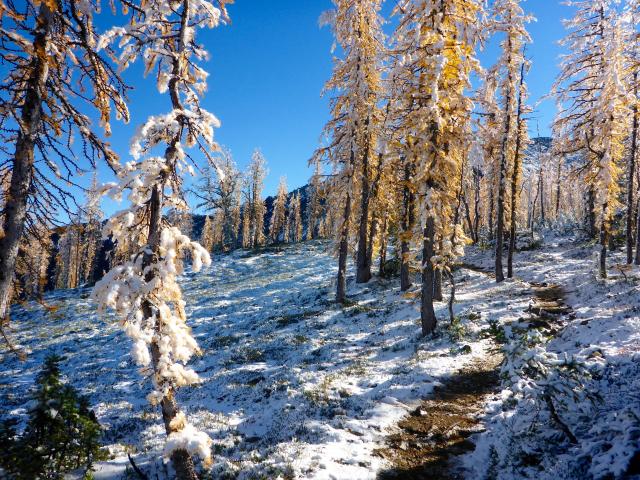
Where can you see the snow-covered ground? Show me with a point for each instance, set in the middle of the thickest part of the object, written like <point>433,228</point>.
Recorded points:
<point>294,386</point>
<point>602,334</point>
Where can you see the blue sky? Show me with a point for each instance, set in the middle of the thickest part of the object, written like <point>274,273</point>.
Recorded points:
<point>267,70</point>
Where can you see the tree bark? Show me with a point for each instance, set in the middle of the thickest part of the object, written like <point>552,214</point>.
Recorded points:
<point>182,461</point>
<point>591,217</point>
<point>341,289</point>
<point>631,173</point>
<point>491,212</point>
<point>503,173</point>
<point>637,258</point>
<point>383,246</point>
<point>363,267</point>
<point>427,313</point>
<point>542,209</point>
<point>407,225</point>
<point>558,188</point>
<point>23,160</point>
<point>604,241</point>
<point>514,178</point>
<point>375,220</point>
<point>500,210</point>
<point>476,208</point>
<point>437,285</point>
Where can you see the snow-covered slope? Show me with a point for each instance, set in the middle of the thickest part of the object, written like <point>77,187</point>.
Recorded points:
<point>602,335</point>
<point>295,386</point>
<point>292,383</point>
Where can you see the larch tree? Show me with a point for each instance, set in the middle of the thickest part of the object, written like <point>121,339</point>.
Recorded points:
<point>314,205</point>
<point>607,146</point>
<point>521,142</point>
<point>143,290</point>
<point>218,194</point>
<point>631,43</point>
<point>593,107</point>
<point>438,42</point>
<point>245,232</point>
<point>508,17</point>
<point>295,218</point>
<point>254,184</point>
<point>352,130</point>
<point>53,76</point>
<point>207,235</point>
<point>489,138</point>
<point>278,215</point>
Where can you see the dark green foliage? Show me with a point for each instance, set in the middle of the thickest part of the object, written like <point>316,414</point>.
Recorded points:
<point>61,434</point>
<point>390,269</point>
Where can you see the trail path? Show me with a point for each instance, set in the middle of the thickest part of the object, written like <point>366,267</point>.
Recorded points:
<point>427,442</point>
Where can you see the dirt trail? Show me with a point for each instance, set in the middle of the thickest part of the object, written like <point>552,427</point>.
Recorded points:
<point>435,433</point>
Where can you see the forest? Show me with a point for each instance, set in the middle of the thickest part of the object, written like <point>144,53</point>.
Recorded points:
<point>444,295</point>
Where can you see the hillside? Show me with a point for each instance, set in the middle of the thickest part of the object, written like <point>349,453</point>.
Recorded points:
<point>294,386</point>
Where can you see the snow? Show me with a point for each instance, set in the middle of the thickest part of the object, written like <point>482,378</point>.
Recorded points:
<point>602,337</point>
<point>292,384</point>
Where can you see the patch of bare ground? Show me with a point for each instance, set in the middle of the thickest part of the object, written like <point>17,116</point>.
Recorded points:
<point>427,440</point>
<point>441,426</point>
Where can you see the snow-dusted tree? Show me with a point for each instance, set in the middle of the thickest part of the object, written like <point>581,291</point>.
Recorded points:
<point>437,41</point>
<point>521,142</point>
<point>92,231</point>
<point>144,290</point>
<point>286,235</point>
<point>206,237</point>
<point>508,17</point>
<point>219,195</point>
<point>295,218</point>
<point>592,99</point>
<point>631,42</point>
<point>489,136</point>
<point>246,225</point>
<point>354,123</point>
<point>181,219</point>
<point>315,211</point>
<point>236,219</point>
<point>276,224</point>
<point>253,186</point>
<point>51,73</point>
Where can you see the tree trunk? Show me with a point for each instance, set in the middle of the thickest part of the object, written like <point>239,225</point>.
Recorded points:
<point>383,246</point>
<point>407,225</point>
<point>427,313</point>
<point>363,267</point>
<point>631,173</point>
<point>182,461</point>
<point>437,285</point>
<point>375,220</point>
<point>476,207</point>
<point>604,240</point>
<point>491,211</point>
<point>15,208</point>
<point>341,290</point>
<point>467,218</point>
<point>514,178</point>
<point>637,259</point>
<point>543,220</point>
<point>591,216</point>
<point>558,188</point>
<point>500,210</point>
<point>502,177</point>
